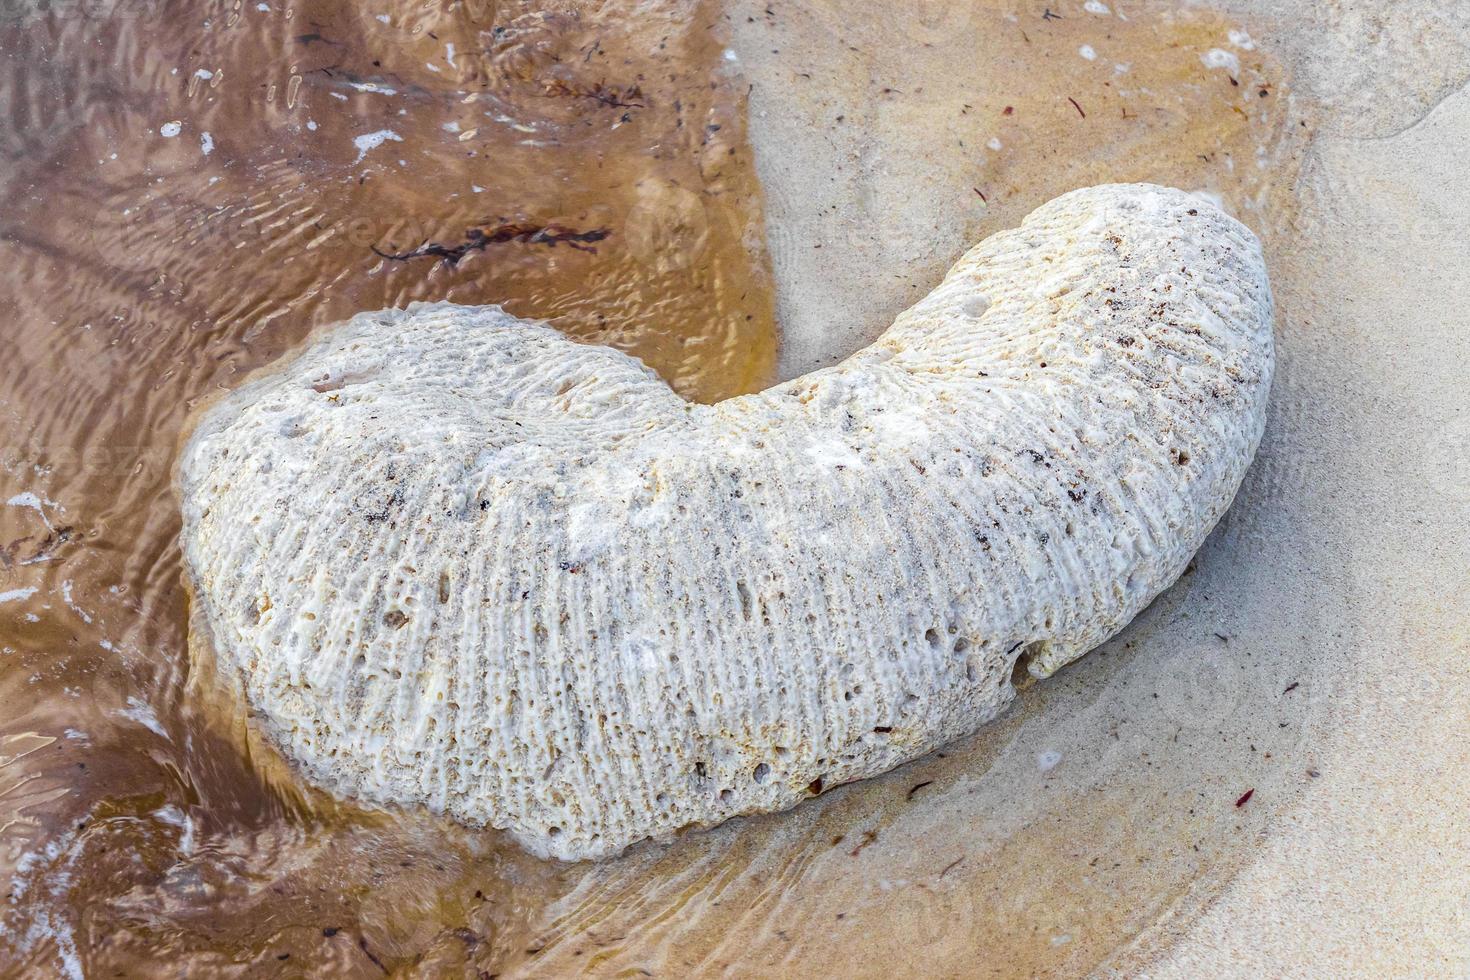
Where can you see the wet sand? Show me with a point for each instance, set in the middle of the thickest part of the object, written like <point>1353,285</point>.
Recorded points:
<point>1369,871</point>
<point>1316,659</point>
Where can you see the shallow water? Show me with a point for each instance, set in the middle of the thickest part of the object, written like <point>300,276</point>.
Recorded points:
<point>190,189</point>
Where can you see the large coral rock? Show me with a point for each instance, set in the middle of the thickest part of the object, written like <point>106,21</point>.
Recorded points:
<point>456,559</point>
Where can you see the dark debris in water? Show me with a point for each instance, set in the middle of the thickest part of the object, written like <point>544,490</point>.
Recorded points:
<point>608,95</point>
<point>22,551</point>
<point>479,239</point>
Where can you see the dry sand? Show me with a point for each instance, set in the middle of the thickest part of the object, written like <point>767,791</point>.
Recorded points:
<point>1317,655</point>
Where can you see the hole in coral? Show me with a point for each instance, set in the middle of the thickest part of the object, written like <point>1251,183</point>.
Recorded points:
<point>761,773</point>
<point>1021,675</point>
<point>932,635</point>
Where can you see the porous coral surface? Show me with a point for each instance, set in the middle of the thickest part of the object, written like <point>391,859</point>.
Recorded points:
<point>456,559</point>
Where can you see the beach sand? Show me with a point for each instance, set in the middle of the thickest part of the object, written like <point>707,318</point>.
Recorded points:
<point>1316,658</point>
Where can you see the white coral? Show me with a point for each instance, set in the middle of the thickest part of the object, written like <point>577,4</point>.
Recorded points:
<point>460,560</point>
